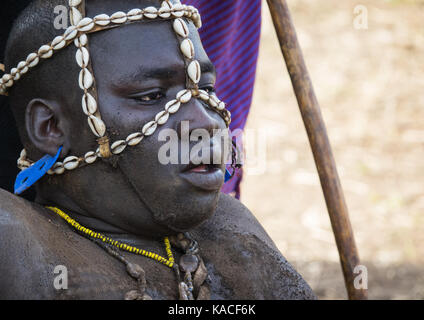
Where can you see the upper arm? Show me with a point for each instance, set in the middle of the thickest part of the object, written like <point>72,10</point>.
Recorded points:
<point>252,255</point>
<point>22,258</point>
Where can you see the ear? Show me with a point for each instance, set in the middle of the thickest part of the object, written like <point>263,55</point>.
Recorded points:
<point>45,125</point>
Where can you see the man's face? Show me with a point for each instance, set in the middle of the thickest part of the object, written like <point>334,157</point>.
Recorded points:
<point>138,69</point>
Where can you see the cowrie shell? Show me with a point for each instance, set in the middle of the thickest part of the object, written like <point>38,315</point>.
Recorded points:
<point>90,157</point>
<point>187,48</point>
<point>70,33</point>
<point>134,138</point>
<point>150,12</point>
<point>212,103</point>
<point>74,3</point>
<point>215,98</point>
<point>75,15</point>
<point>203,95</point>
<point>221,106</point>
<point>149,128</point>
<point>118,146</point>
<point>24,163</point>
<point>6,77</point>
<point>118,17</point>
<point>23,67</point>
<point>197,20</point>
<point>178,10</point>
<point>83,57</point>
<point>162,117</point>
<point>15,73</point>
<point>97,126</point>
<point>45,51</point>
<point>89,104</point>
<point>82,40</point>
<point>86,79</point>
<point>194,71</point>
<point>102,19</point>
<point>85,24</point>
<point>23,154</point>
<point>58,43</point>
<point>70,163</point>
<point>181,28</point>
<point>165,10</point>
<point>166,5</point>
<point>184,96</point>
<point>58,168</point>
<point>32,60</point>
<point>135,14</point>
<point>173,106</point>
<point>7,80</point>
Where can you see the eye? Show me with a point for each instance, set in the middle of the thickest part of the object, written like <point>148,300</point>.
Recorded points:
<point>149,97</point>
<point>209,89</point>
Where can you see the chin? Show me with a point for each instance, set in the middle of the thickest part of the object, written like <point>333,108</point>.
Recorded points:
<point>190,212</point>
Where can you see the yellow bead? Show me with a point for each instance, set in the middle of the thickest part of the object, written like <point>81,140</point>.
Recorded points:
<point>168,262</point>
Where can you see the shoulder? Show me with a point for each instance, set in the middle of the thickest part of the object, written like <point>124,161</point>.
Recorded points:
<point>28,261</point>
<point>18,214</point>
<point>246,254</point>
<point>15,244</point>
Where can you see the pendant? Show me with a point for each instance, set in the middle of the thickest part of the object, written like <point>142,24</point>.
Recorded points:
<point>26,178</point>
<point>188,263</point>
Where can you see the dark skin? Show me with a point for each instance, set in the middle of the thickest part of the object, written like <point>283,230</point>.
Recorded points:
<point>133,198</point>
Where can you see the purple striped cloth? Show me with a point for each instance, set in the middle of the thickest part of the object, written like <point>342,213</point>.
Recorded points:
<point>230,34</point>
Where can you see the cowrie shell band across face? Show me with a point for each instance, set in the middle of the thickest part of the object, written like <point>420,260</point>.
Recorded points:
<point>177,14</point>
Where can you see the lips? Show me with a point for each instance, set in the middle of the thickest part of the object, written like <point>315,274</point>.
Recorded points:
<point>203,168</point>
<point>208,177</point>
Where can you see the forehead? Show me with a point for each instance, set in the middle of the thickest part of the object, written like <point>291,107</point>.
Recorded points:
<point>95,7</point>
<point>141,48</point>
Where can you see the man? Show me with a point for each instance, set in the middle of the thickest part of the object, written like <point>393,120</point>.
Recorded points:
<point>231,41</point>
<point>120,196</point>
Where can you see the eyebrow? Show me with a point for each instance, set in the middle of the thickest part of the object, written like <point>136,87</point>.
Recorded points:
<point>142,73</point>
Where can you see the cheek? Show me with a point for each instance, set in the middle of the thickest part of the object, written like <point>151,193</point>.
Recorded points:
<point>122,120</point>
<point>171,202</point>
<point>142,167</point>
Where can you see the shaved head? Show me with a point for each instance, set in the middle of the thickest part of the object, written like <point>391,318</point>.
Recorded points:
<point>54,78</point>
<point>139,68</point>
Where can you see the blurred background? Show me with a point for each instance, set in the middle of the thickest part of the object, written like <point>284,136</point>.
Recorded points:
<point>370,85</point>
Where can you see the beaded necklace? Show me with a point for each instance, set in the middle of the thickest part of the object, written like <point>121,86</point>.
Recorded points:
<point>195,273</point>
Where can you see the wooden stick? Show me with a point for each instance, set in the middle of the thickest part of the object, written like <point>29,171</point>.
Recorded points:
<point>320,144</point>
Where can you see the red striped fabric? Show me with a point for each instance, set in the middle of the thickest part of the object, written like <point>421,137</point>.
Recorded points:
<point>230,35</point>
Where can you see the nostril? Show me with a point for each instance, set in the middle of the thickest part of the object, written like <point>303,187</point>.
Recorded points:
<point>197,115</point>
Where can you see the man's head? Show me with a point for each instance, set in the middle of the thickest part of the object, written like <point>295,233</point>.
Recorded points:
<point>138,69</point>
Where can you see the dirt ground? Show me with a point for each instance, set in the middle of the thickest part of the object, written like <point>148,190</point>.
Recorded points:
<point>370,84</point>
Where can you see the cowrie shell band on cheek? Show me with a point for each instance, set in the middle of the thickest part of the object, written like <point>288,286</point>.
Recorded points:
<point>178,15</point>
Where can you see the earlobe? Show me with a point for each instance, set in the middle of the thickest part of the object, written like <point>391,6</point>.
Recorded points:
<point>43,124</point>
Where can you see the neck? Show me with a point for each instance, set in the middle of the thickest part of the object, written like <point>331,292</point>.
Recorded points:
<point>90,221</point>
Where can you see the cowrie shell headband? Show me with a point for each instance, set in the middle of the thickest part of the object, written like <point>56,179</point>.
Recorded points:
<point>77,33</point>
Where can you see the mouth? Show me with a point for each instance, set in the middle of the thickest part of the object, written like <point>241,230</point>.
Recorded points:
<point>208,177</point>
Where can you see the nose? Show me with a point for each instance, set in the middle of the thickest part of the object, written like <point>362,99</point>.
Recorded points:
<point>199,116</point>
